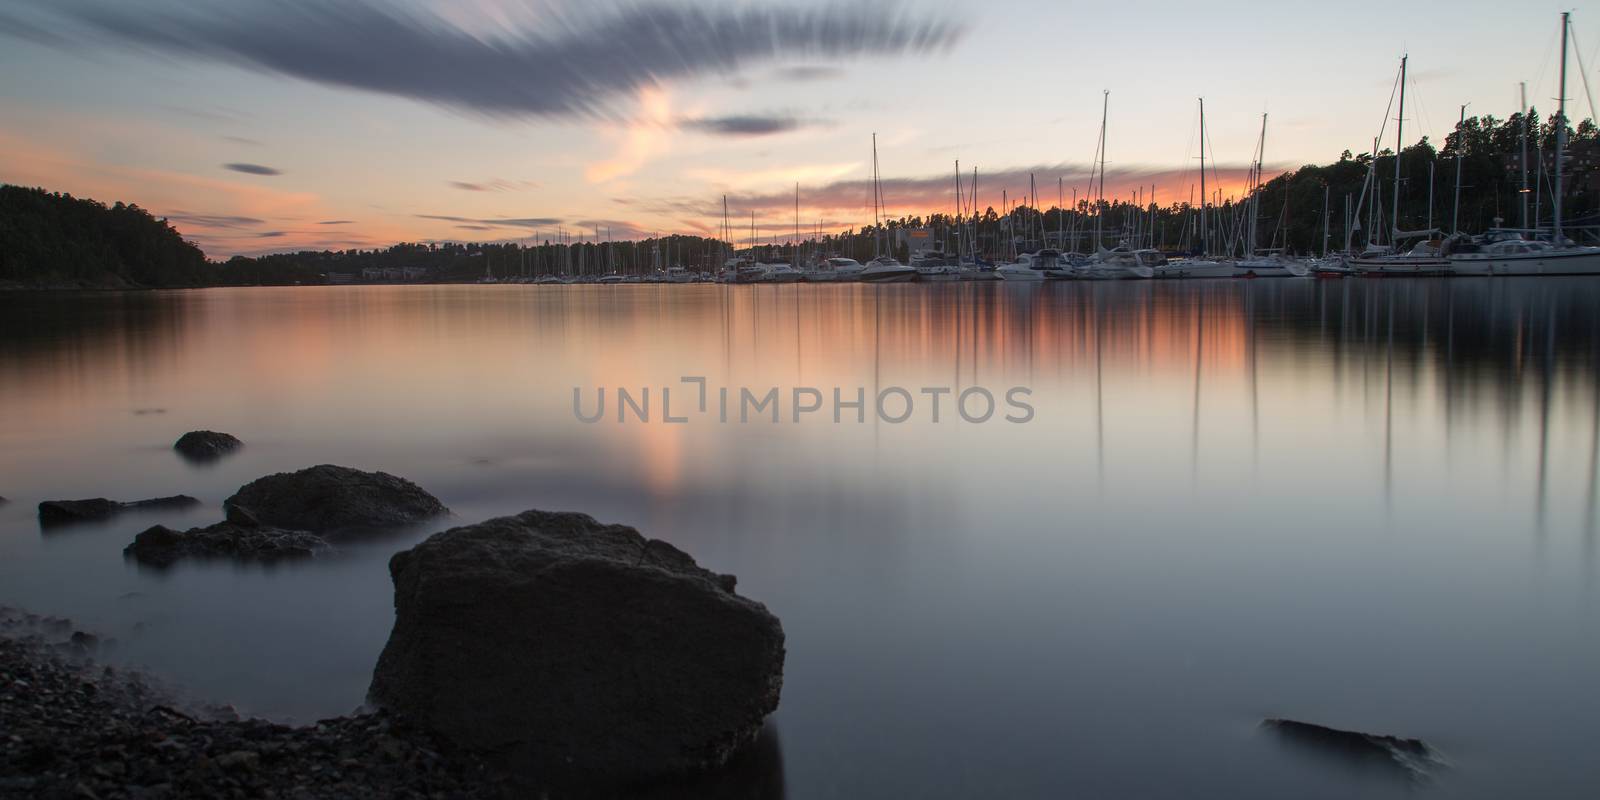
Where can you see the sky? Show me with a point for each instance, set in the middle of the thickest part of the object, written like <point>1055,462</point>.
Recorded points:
<point>331,124</point>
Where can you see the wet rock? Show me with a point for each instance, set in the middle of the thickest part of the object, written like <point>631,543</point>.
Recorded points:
<point>63,512</point>
<point>206,445</point>
<point>160,546</point>
<point>576,650</point>
<point>1412,757</point>
<point>332,499</point>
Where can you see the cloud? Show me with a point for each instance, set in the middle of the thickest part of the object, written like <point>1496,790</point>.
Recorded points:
<point>188,219</point>
<point>525,222</point>
<point>747,124</point>
<point>337,222</point>
<point>252,169</point>
<point>244,140</point>
<point>804,72</point>
<point>573,65</point>
<point>496,185</point>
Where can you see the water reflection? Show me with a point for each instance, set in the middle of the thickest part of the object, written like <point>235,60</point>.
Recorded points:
<point>1387,503</point>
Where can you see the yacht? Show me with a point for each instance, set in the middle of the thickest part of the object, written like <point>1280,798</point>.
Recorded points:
<point>842,269</point>
<point>782,273</point>
<point>742,270</point>
<point>1423,259</point>
<point>1036,266</point>
<point>679,275</point>
<point>1121,263</point>
<point>886,269</point>
<point>610,279</point>
<point>1270,264</point>
<point>1193,268</point>
<point>934,265</point>
<point>547,279</point>
<point>1503,252</point>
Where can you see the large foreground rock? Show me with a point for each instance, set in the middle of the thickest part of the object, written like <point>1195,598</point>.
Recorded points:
<point>205,446</point>
<point>160,546</point>
<point>63,512</point>
<point>577,650</point>
<point>331,499</point>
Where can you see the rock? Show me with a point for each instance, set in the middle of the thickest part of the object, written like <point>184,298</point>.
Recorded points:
<point>62,512</point>
<point>160,546</point>
<point>576,650</point>
<point>1412,756</point>
<point>243,760</point>
<point>206,445</point>
<point>330,499</point>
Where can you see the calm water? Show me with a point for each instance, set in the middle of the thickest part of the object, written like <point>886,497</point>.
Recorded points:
<point>1369,504</point>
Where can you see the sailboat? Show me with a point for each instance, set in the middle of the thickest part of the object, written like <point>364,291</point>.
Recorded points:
<point>1202,266</point>
<point>884,268</point>
<point>1422,259</point>
<point>1505,252</point>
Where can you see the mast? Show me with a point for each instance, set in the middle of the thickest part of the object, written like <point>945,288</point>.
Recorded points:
<point>1325,230</point>
<point>1099,212</point>
<point>1455,214</point>
<point>1205,239</point>
<point>1256,190</point>
<point>1523,160</point>
<point>796,259</point>
<point>1561,125</point>
<point>877,238</point>
<point>1399,145</point>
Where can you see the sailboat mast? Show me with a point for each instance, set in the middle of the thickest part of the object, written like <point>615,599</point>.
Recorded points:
<point>1561,124</point>
<point>1255,202</point>
<point>1455,213</point>
<point>1523,160</point>
<point>1100,198</point>
<point>877,223</point>
<point>1399,145</point>
<point>1205,239</point>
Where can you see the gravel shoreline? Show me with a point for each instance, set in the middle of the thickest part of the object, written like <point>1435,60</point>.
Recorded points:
<point>73,728</point>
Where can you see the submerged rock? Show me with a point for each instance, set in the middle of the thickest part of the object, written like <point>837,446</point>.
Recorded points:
<point>1411,756</point>
<point>61,512</point>
<point>329,499</point>
<point>576,650</point>
<point>160,546</point>
<point>206,445</point>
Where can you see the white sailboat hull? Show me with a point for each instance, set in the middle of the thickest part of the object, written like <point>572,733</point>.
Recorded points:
<point>1575,261</point>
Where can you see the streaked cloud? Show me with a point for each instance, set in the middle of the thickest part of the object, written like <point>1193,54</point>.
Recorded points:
<point>188,219</point>
<point>525,222</point>
<point>252,169</point>
<point>807,72</point>
<point>494,185</point>
<point>748,124</point>
<point>573,65</point>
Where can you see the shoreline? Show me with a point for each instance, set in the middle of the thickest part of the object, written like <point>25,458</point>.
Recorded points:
<point>75,727</point>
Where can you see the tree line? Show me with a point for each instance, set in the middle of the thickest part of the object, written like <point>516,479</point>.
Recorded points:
<point>55,239</point>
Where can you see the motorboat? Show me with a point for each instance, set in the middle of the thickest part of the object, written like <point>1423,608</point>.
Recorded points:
<point>1194,268</point>
<point>1035,266</point>
<point>1121,263</point>
<point>886,269</point>
<point>781,273</point>
<point>1274,264</point>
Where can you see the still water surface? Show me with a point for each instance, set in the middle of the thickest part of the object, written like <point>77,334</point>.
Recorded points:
<point>1368,504</point>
